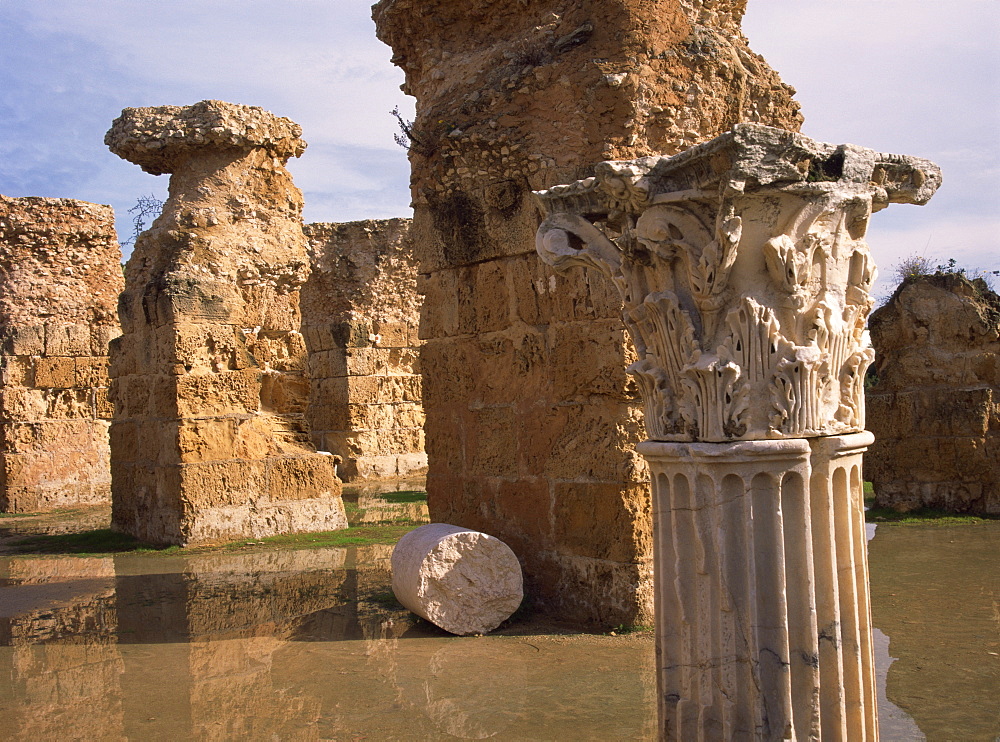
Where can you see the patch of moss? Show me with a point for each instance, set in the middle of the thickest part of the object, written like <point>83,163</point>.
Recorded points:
<point>875,514</point>
<point>384,598</point>
<point>365,535</point>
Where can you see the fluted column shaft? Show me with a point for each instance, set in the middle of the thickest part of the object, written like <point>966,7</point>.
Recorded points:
<point>762,597</point>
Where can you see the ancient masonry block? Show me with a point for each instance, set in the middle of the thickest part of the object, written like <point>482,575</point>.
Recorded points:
<point>746,281</point>
<point>935,405</point>
<point>208,383</point>
<point>360,311</point>
<point>60,274</point>
<point>531,420</point>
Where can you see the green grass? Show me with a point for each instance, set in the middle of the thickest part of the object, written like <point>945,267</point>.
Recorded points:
<point>404,496</point>
<point>84,543</point>
<point>105,541</point>
<point>924,515</point>
<point>365,535</point>
<point>921,515</point>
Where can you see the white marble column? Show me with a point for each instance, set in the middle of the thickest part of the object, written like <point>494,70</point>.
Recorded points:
<point>745,279</point>
<point>756,542</point>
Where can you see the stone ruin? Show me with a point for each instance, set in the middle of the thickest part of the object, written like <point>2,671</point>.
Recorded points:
<point>360,315</point>
<point>531,419</point>
<point>208,439</point>
<point>60,275</point>
<point>934,406</point>
<point>742,270</point>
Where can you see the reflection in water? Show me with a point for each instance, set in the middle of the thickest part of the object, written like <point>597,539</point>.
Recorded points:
<point>936,594</point>
<point>290,645</point>
<point>60,668</point>
<point>310,645</point>
<point>894,724</point>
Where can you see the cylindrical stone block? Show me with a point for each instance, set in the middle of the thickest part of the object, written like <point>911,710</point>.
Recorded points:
<point>464,581</point>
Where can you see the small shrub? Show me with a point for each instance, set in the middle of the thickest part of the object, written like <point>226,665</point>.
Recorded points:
<point>912,267</point>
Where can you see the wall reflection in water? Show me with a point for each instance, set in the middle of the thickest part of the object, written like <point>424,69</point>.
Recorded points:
<point>290,645</point>
<point>60,668</point>
<point>936,595</point>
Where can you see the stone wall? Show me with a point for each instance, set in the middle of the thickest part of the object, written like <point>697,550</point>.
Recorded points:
<point>935,406</point>
<point>360,311</point>
<point>531,420</point>
<point>208,440</point>
<point>60,274</point>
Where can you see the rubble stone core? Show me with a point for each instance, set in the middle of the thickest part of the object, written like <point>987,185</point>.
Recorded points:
<point>60,274</point>
<point>531,421</point>
<point>208,383</point>
<point>746,281</point>
<point>935,404</point>
<point>360,311</point>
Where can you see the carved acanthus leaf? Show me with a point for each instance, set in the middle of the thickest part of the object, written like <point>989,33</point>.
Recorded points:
<point>792,269</point>
<point>710,273</point>
<point>755,343</point>
<point>657,395</point>
<point>861,276</point>
<point>716,401</point>
<point>666,333</point>
<point>852,389</point>
<point>798,386</point>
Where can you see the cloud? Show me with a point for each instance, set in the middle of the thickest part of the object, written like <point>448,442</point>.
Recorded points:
<point>71,67</point>
<point>353,183</point>
<point>970,242</point>
<point>928,86</point>
<point>315,61</point>
<point>908,76</point>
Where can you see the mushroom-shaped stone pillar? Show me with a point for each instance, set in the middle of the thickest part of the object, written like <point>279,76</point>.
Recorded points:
<point>745,277</point>
<point>207,440</point>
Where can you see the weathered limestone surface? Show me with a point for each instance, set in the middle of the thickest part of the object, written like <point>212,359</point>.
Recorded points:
<point>360,315</point>
<point>935,407</point>
<point>60,274</point>
<point>745,277</point>
<point>208,378</point>
<point>531,420</point>
<point>464,581</point>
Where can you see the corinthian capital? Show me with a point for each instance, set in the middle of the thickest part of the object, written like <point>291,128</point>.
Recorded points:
<point>745,275</point>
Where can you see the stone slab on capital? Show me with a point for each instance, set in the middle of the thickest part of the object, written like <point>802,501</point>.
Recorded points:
<point>745,276</point>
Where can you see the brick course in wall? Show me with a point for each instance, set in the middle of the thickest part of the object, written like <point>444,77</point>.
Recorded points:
<point>360,311</point>
<point>60,275</point>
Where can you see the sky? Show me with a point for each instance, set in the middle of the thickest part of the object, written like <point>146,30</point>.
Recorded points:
<point>917,77</point>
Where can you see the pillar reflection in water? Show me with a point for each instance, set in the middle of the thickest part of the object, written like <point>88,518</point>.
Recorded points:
<point>293,645</point>
<point>50,680</point>
<point>745,278</point>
